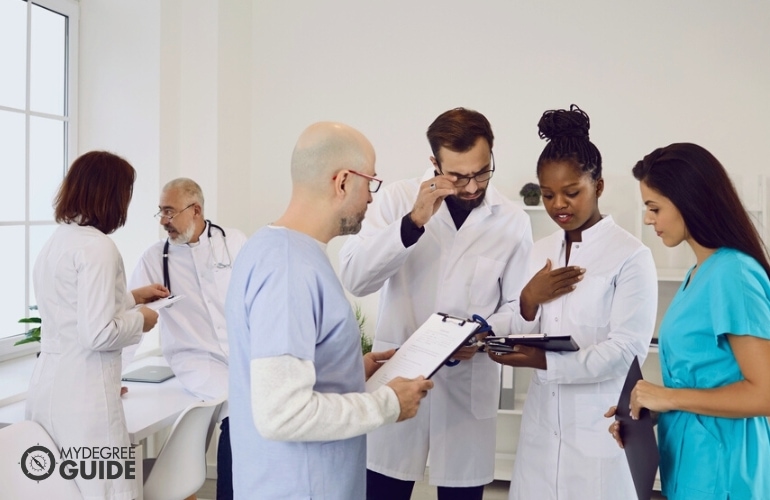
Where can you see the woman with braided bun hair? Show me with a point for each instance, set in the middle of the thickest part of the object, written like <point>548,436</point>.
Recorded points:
<point>713,436</point>
<point>596,282</point>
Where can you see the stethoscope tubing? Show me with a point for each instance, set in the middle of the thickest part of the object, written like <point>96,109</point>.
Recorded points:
<point>166,279</point>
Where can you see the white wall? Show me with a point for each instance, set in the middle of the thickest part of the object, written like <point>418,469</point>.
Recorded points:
<point>119,103</point>
<point>220,91</point>
<point>648,74</point>
<point>167,86</point>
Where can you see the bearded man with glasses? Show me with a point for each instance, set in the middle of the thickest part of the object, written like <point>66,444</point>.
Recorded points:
<point>195,261</point>
<point>445,242</point>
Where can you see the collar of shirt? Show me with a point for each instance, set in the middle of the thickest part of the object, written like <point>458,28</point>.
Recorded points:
<point>592,232</point>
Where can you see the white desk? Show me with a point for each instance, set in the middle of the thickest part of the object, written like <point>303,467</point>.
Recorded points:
<point>149,408</point>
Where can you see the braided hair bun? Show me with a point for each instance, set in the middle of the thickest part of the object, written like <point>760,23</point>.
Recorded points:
<point>567,134</point>
<point>559,123</point>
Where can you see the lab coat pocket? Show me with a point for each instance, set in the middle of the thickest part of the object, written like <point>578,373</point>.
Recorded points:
<point>591,427</point>
<point>591,302</point>
<point>485,387</point>
<point>485,282</point>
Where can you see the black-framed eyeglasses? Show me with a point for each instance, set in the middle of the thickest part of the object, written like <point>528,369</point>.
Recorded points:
<point>483,176</point>
<point>374,182</point>
<point>169,214</point>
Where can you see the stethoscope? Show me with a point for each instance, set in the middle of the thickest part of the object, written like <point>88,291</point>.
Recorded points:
<point>219,264</point>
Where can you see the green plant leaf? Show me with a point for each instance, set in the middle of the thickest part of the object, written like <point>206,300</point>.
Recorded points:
<point>366,342</point>
<point>27,340</point>
<point>33,334</point>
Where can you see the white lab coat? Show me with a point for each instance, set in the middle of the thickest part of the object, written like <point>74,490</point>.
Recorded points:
<point>193,332</point>
<point>564,449</point>
<point>461,272</point>
<point>80,288</point>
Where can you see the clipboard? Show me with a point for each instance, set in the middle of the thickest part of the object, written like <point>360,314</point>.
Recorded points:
<point>638,437</point>
<point>426,350</point>
<point>539,340</point>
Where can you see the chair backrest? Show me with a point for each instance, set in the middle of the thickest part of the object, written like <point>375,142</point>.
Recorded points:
<point>16,441</point>
<point>180,469</point>
<point>214,419</point>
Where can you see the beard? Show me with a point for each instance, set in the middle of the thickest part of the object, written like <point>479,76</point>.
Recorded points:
<point>182,237</point>
<point>469,204</point>
<point>352,224</point>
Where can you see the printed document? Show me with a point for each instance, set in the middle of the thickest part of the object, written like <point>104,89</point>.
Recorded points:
<point>425,350</point>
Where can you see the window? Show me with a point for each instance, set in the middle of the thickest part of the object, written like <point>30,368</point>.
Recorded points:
<point>37,141</point>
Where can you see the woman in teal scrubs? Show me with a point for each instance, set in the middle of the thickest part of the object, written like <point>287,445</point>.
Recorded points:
<point>713,436</point>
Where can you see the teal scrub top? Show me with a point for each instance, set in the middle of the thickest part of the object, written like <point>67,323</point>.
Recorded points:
<point>704,457</point>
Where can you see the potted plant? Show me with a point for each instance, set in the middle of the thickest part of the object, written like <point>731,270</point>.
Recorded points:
<point>33,334</point>
<point>531,194</point>
<point>366,342</point>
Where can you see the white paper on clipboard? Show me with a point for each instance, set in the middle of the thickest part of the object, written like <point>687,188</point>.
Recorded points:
<point>425,350</point>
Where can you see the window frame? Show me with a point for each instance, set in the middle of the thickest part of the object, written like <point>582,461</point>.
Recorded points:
<point>70,9</point>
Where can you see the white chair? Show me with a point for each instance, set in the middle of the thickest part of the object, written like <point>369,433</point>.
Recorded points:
<point>180,468</point>
<point>15,443</point>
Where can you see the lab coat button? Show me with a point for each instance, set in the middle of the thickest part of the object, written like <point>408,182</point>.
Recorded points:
<point>556,319</point>
<point>553,394</point>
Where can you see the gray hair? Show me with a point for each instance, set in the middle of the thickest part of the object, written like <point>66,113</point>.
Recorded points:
<point>190,189</point>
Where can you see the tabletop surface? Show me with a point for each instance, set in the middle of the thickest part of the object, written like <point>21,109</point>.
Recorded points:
<point>149,407</point>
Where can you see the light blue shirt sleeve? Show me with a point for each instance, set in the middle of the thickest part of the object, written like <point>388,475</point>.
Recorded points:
<point>283,304</point>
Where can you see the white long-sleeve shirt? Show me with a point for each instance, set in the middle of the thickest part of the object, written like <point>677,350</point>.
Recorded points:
<point>286,408</point>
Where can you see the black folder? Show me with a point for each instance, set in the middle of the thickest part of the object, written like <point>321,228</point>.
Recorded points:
<point>638,437</point>
<point>540,340</point>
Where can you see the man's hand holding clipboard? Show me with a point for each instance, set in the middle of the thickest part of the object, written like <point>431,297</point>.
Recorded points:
<point>426,350</point>
<point>408,391</point>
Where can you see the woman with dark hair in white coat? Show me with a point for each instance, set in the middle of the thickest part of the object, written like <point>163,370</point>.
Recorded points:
<point>88,317</point>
